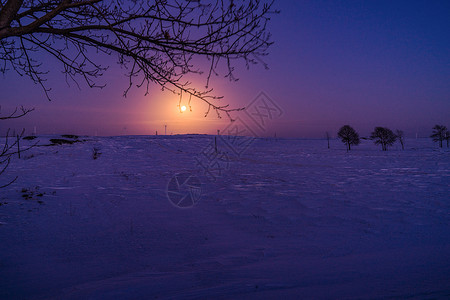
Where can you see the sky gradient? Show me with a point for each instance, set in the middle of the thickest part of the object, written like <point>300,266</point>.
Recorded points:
<point>362,63</point>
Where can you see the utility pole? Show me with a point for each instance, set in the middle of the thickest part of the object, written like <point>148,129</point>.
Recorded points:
<point>328,139</point>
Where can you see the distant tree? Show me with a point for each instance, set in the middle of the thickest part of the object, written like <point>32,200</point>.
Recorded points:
<point>383,136</point>
<point>328,139</point>
<point>439,134</point>
<point>348,136</point>
<point>156,41</point>
<point>400,137</point>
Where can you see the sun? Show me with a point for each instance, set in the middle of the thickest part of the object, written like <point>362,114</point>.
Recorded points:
<point>183,108</point>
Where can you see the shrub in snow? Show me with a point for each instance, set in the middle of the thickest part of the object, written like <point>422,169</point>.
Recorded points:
<point>69,136</point>
<point>96,153</point>
<point>29,137</point>
<point>61,141</point>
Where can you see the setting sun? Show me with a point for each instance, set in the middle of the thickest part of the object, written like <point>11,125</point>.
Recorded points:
<point>183,108</point>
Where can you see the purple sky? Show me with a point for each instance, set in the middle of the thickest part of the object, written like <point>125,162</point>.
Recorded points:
<point>362,63</point>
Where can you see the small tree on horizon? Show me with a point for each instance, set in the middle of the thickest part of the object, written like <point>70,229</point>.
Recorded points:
<point>348,136</point>
<point>383,136</point>
<point>439,134</point>
<point>400,137</point>
<point>328,139</point>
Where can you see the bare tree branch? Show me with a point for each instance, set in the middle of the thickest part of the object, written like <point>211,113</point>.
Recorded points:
<point>156,41</point>
<point>11,148</point>
<point>17,113</point>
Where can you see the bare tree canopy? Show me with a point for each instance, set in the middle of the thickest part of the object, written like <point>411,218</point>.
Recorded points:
<point>439,134</point>
<point>383,136</point>
<point>348,136</point>
<point>156,41</point>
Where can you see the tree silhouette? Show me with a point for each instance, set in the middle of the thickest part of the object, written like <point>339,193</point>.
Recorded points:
<point>400,137</point>
<point>348,136</point>
<point>383,136</point>
<point>439,134</point>
<point>155,41</point>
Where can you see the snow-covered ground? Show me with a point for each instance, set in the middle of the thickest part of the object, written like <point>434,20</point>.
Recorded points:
<point>286,218</point>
